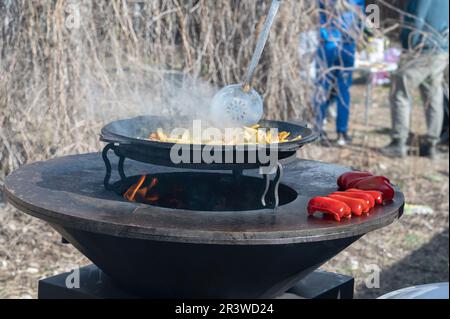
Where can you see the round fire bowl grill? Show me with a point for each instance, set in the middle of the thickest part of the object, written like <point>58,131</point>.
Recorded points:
<point>162,252</point>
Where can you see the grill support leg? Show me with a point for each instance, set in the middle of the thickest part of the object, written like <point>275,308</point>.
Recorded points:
<point>275,187</point>
<point>266,190</point>
<point>121,169</point>
<point>107,165</point>
<point>120,166</point>
<point>277,182</point>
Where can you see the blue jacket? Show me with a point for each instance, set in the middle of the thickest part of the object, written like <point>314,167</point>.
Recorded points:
<point>337,26</point>
<point>428,27</point>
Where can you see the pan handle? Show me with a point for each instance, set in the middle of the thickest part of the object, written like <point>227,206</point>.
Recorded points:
<point>273,189</point>
<point>112,138</point>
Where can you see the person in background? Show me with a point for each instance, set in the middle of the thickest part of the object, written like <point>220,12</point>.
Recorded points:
<point>425,41</point>
<point>340,27</point>
<point>445,126</point>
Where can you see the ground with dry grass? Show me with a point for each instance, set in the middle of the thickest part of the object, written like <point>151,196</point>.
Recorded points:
<point>414,250</point>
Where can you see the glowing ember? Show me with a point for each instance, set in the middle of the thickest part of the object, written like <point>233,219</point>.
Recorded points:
<point>152,198</point>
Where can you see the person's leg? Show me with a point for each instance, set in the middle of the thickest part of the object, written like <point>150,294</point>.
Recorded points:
<point>400,99</point>
<point>435,111</point>
<point>321,102</point>
<point>345,64</point>
<point>344,83</point>
<point>445,127</point>
<point>411,73</point>
<point>433,98</point>
<point>325,81</point>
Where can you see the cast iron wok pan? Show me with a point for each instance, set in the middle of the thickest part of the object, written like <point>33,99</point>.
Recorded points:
<point>130,139</point>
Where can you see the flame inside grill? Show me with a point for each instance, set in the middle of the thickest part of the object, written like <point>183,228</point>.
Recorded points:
<point>139,192</point>
<point>200,192</point>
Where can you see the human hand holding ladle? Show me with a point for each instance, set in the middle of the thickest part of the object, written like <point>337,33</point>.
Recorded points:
<point>240,104</point>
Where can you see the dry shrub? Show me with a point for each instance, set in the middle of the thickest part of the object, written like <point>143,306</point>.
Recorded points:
<point>63,74</point>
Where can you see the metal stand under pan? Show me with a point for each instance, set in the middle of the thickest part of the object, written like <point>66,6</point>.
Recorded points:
<point>269,198</point>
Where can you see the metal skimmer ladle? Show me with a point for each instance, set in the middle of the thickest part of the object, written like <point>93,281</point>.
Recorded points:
<point>240,104</point>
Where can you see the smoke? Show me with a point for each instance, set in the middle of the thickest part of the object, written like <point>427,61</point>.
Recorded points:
<point>137,91</point>
<point>187,96</point>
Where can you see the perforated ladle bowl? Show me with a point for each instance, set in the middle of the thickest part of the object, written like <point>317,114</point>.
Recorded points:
<point>233,105</point>
<point>240,104</point>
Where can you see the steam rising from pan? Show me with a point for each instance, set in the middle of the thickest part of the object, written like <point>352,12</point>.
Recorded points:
<point>136,92</point>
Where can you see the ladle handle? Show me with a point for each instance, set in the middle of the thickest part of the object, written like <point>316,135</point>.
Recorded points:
<point>261,43</point>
